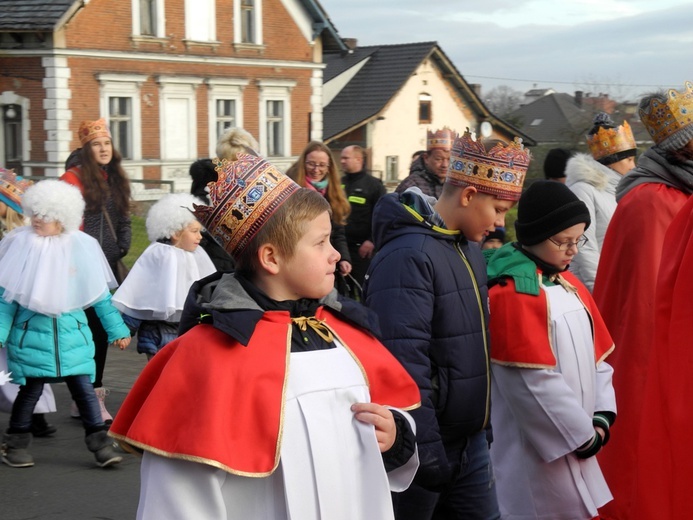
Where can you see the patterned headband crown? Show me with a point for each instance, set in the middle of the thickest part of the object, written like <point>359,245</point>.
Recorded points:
<point>246,194</point>
<point>609,141</point>
<point>12,188</point>
<point>90,130</point>
<point>440,139</point>
<point>665,120</point>
<point>499,171</point>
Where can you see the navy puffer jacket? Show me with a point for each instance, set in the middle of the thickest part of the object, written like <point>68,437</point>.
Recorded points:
<point>428,287</point>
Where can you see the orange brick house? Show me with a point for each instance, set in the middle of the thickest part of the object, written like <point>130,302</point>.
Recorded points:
<point>168,75</point>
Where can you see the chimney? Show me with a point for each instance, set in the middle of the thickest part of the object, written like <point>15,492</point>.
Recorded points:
<point>476,87</point>
<point>578,98</point>
<point>351,43</point>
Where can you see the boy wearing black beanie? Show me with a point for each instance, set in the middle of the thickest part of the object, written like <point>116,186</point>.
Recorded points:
<point>553,401</point>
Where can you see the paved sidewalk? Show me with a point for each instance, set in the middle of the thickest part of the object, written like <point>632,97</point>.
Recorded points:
<point>65,483</point>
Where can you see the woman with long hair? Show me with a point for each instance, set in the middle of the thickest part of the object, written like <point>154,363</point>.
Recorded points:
<point>96,170</point>
<point>316,169</point>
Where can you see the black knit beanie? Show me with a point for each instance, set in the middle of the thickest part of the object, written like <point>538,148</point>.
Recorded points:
<point>545,209</point>
<point>555,163</point>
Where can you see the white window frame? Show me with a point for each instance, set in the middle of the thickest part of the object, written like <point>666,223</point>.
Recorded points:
<point>160,20</point>
<point>177,87</point>
<point>218,89</point>
<point>237,29</point>
<point>194,5</point>
<point>275,90</point>
<point>124,85</point>
<point>10,98</point>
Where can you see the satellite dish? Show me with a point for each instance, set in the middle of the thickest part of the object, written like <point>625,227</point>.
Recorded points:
<point>486,129</point>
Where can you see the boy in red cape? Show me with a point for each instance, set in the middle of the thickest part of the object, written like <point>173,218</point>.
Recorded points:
<point>265,407</point>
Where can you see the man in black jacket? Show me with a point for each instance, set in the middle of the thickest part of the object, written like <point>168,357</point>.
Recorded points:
<point>363,191</point>
<point>427,172</point>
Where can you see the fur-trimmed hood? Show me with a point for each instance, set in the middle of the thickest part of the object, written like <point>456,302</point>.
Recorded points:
<point>583,168</point>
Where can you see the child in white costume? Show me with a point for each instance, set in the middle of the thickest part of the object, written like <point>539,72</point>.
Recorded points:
<point>553,399</point>
<point>11,216</point>
<point>49,273</point>
<point>152,296</point>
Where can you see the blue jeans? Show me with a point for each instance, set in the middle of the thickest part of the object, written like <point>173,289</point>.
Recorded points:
<point>82,393</point>
<point>470,495</point>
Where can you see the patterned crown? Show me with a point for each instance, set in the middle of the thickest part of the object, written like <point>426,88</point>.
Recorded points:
<point>499,171</point>
<point>12,188</point>
<point>246,194</point>
<point>442,138</point>
<point>90,130</point>
<point>610,141</point>
<point>666,122</point>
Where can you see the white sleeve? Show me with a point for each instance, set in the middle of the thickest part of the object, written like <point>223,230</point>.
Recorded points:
<point>179,490</point>
<point>545,409</point>
<point>605,395</point>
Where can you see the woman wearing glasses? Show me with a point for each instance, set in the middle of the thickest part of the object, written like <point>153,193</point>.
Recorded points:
<point>316,169</point>
<point>553,401</point>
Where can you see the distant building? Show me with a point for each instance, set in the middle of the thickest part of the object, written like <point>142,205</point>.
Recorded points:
<point>168,75</point>
<point>386,97</point>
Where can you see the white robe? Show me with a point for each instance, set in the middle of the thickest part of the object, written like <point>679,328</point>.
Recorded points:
<point>540,416</point>
<point>330,468</point>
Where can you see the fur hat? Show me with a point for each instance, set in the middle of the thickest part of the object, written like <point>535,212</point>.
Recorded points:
<point>12,187</point>
<point>90,130</point>
<point>171,214</point>
<point>236,140</point>
<point>547,208</point>
<point>55,201</point>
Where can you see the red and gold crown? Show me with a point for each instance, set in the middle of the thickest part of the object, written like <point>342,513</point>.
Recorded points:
<point>12,188</point>
<point>499,171</point>
<point>442,138</point>
<point>610,141</point>
<point>90,130</point>
<point>670,124</point>
<point>246,194</point>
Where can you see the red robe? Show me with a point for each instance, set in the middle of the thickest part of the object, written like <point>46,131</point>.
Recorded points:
<point>520,328</point>
<point>206,398</point>
<point>625,291</point>
<point>664,474</point>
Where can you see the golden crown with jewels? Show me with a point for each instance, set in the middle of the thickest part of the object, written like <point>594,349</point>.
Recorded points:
<point>664,120</point>
<point>442,138</point>
<point>609,141</point>
<point>499,171</point>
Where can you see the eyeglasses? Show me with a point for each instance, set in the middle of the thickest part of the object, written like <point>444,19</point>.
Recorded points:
<point>564,246</point>
<point>317,166</point>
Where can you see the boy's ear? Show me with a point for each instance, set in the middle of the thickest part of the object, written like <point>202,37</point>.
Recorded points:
<point>268,258</point>
<point>466,195</point>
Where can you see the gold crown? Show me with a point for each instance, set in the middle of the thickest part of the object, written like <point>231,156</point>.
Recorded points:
<point>609,141</point>
<point>90,130</point>
<point>246,194</point>
<point>442,138</point>
<point>12,187</point>
<point>664,120</point>
<point>499,171</point>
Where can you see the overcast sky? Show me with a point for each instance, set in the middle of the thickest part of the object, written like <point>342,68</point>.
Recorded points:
<point>623,47</point>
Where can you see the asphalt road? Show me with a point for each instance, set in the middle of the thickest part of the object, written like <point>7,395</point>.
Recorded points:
<point>65,483</point>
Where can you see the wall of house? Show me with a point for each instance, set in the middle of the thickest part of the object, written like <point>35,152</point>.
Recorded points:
<point>400,134</point>
<point>99,50</point>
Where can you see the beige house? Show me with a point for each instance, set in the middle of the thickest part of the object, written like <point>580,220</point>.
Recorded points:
<point>385,99</point>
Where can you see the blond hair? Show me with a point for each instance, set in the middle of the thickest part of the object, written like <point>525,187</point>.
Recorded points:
<point>283,229</point>
<point>236,140</point>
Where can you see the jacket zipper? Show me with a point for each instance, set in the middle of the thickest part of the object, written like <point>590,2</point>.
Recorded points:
<point>483,331</point>
<point>24,331</point>
<point>55,345</point>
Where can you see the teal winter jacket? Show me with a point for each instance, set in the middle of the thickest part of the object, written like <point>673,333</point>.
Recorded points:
<point>40,346</point>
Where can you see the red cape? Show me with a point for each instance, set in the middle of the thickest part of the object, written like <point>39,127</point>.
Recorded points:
<point>208,399</point>
<point>520,331</point>
<point>664,474</point>
<point>625,291</point>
